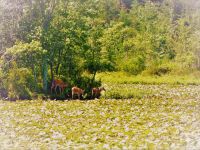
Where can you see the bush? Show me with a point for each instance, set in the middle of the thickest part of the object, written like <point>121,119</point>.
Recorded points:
<point>134,65</point>
<point>160,69</point>
<point>20,84</point>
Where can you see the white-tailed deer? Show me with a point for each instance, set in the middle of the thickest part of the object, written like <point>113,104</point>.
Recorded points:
<point>77,91</point>
<point>97,91</point>
<point>58,83</point>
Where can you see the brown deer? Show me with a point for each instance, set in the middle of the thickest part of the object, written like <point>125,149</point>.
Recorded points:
<point>58,83</point>
<point>96,92</point>
<point>77,91</point>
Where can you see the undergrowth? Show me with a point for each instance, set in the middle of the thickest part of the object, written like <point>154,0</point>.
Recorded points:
<point>124,78</point>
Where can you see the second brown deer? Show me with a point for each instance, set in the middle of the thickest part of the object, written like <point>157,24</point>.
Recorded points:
<point>58,83</point>
<point>96,92</point>
<point>77,91</point>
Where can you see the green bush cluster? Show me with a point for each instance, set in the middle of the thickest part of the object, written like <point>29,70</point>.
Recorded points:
<point>65,40</point>
<point>20,84</point>
<point>133,66</point>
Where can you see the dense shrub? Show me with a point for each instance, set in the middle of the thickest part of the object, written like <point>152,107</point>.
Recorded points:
<point>20,84</point>
<point>160,68</point>
<point>134,65</point>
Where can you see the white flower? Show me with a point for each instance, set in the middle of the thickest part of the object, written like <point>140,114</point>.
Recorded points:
<point>57,135</point>
<point>106,146</point>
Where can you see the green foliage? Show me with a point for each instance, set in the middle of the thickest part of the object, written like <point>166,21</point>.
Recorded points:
<point>163,67</point>
<point>20,83</point>
<point>133,65</point>
<point>1,79</point>
<point>26,54</point>
<point>3,91</point>
<point>67,38</point>
<point>185,44</point>
<point>114,41</point>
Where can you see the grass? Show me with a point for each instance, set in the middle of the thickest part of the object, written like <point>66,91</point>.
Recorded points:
<point>135,112</point>
<point>124,78</point>
<point>124,91</point>
<point>166,118</point>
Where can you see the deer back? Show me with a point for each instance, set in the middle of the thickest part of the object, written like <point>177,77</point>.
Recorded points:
<point>77,90</point>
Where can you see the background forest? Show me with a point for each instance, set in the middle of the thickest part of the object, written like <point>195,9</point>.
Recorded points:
<point>41,40</point>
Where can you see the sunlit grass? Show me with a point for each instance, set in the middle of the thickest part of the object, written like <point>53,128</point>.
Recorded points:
<point>124,78</point>
<point>124,91</point>
<point>165,118</point>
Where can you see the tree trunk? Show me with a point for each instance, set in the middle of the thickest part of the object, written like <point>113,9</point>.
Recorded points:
<point>51,69</point>
<point>93,78</point>
<point>44,75</point>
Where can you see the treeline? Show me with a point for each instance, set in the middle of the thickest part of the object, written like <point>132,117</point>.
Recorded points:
<point>41,40</point>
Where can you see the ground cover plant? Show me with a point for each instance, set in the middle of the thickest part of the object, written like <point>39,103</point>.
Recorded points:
<point>167,118</point>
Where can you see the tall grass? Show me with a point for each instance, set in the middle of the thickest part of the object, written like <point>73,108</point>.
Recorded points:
<point>124,91</point>
<point>124,78</point>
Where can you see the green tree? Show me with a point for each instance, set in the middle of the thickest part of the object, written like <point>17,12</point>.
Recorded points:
<point>26,55</point>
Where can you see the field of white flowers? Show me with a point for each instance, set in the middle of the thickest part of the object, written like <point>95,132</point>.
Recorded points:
<point>128,116</point>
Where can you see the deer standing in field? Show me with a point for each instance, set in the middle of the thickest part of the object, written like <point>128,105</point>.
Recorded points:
<point>96,92</point>
<point>58,83</point>
<point>77,91</point>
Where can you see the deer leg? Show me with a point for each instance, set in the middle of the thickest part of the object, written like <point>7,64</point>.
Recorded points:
<point>56,89</point>
<point>60,90</point>
<point>95,95</point>
<point>51,89</point>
